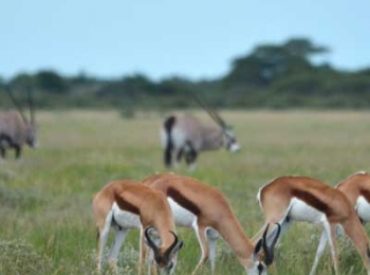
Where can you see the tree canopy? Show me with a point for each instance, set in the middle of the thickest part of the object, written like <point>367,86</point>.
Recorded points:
<point>282,75</point>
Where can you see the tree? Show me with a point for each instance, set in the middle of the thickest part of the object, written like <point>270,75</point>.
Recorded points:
<point>50,81</point>
<point>268,63</point>
<point>22,81</point>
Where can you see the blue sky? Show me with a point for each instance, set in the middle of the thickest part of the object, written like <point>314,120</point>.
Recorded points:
<point>162,38</point>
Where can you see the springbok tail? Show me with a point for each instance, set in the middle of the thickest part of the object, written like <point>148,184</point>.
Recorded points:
<point>168,126</point>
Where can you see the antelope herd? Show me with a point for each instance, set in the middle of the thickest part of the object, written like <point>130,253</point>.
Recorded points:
<point>158,202</point>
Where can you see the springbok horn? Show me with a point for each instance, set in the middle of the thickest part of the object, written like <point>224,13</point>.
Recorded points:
<point>150,242</point>
<point>15,103</point>
<point>173,248</point>
<point>269,250</point>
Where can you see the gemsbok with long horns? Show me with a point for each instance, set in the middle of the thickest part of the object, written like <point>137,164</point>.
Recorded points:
<point>357,190</point>
<point>205,209</point>
<point>15,129</point>
<point>125,205</point>
<point>186,136</point>
<point>288,199</point>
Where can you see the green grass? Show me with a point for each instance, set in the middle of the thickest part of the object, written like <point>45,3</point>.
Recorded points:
<point>45,199</point>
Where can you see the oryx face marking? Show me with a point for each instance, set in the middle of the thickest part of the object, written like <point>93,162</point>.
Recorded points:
<point>230,141</point>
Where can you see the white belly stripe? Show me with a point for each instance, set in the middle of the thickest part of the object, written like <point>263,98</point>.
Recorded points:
<point>182,216</point>
<point>363,209</point>
<point>125,218</point>
<point>301,211</point>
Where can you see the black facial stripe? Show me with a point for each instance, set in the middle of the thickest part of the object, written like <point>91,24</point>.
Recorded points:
<point>260,268</point>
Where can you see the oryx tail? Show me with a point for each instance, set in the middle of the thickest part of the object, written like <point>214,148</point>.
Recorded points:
<point>169,146</point>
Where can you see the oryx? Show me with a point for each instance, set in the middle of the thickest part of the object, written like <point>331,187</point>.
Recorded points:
<point>185,135</point>
<point>15,129</point>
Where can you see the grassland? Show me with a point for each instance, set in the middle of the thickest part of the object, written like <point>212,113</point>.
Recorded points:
<point>45,217</point>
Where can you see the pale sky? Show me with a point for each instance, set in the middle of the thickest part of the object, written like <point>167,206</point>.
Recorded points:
<point>162,38</point>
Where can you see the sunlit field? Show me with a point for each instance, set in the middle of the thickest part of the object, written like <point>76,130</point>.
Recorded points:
<point>46,224</point>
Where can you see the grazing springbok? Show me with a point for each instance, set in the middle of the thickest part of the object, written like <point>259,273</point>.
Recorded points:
<point>125,205</point>
<point>205,209</point>
<point>357,190</point>
<point>15,129</point>
<point>186,136</point>
<point>288,199</point>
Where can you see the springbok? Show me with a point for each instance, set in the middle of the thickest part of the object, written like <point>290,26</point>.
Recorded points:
<point>125,205</point>
<point>15,129</point>
<point>357,190</point>
<point>204,209</point>
<point>185,135</point>
<point>288,199</point>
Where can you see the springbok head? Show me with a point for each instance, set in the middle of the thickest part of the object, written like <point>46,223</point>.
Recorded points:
<point>229,138</point>
<point>263,254</point>
<point>30,124</point>
<point>165,260</point>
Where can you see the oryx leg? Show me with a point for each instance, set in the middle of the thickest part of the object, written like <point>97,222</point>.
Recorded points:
<point>2,152</point>
<point>168,155</point>
<point>179,155</point>
<point>5,142</point>
<point>18,151</point>
<point>191,156</point>
<point>113,255</point>
<point>320,250</point>
<point>200,232</point>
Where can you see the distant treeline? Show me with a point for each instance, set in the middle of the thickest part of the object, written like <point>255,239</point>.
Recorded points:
<point>271,76</point>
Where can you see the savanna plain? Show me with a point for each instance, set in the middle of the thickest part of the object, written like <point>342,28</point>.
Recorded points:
<point>46,224</point>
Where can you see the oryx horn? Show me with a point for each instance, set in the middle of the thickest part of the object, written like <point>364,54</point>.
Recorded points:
<point>211,112</point>
<point>15,103</point>
<point>31,105</point>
